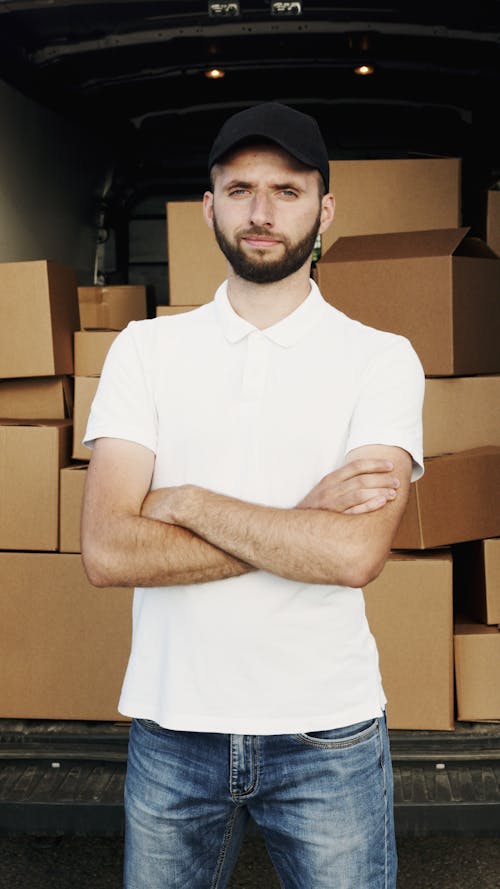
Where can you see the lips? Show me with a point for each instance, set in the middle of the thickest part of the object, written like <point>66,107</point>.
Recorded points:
<point>259,241</point>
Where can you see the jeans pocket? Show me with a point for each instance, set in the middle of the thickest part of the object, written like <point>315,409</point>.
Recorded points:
<point>339,738</point>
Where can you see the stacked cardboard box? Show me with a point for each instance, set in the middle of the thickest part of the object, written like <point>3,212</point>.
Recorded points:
<point>440,289</point>
<point>104,311</point>
<point>477,629</point>
<point>38,315</point>
<point>65,643</point>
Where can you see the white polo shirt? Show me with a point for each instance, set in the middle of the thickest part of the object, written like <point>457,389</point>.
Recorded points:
<point>261,415</point>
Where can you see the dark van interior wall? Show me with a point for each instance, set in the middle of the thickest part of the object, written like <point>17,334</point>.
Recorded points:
<point>49,180</point>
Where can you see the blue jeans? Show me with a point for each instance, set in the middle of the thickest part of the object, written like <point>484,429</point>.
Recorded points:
<point>323,803</point>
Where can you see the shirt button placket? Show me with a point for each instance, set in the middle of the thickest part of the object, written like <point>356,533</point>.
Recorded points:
<point>255,372</point>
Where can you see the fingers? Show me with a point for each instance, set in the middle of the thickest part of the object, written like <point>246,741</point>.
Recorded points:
<point>354,486</point>
<point>369,505</point>
<point>371,481</point>
<point>364,467</point>
<point>342,496</point>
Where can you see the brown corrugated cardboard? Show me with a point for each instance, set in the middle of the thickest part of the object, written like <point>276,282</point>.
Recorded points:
<point>493,221</point>
<point>85,389</point>
<point>112,307</point>
<point>40,398</point>
<point>91,348</point>
<point>455,500</point>
<point>72,483</point>
<point>31,455</point>
<point>410,613</point>
<point>438,288</point>
<point>172,310</point>
<point>401,195</point>
<point>461,413</point>
<point>38,315</point>
<point>65,644</point>
<point>192,282</point>
<point>477,668</point>
<point>476,579</point>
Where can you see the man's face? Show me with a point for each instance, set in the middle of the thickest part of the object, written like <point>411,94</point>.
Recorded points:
<point>266,212</point>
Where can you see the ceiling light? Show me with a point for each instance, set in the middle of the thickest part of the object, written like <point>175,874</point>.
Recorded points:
<point>224,8</point>
<point>286,7</point>
<point>363,70</point>
<point>215,74</point>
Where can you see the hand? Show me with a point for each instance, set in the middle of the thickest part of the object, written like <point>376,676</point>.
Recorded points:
<point>357,487</point>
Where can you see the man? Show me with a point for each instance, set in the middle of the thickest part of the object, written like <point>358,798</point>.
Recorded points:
<point>251,462</point>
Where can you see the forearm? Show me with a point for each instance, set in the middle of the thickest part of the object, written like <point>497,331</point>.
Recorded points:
<point>309,545</point>
<point>137,551</point>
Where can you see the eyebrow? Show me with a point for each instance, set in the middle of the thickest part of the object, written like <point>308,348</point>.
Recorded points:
<point>238,183</point>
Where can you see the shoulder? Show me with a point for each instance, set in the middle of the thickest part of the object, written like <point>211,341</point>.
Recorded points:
<point>157,332</point>
<point>163,324</point>
<point>368,343</point>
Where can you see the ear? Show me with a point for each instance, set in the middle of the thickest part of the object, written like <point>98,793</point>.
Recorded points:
<point>208,208</point>
<point>327,212</point>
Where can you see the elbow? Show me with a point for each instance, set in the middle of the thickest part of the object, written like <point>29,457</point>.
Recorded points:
<point>95,575</point>
<point>97,567</point>
<point>363,569</point>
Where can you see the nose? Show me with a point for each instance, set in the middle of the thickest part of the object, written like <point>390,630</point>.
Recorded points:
<point>261,210</point>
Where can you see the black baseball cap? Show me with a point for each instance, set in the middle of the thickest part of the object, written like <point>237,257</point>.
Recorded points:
<point>292,130</point>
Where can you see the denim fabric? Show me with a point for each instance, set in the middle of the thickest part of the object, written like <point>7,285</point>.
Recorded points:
<point>323,803</point>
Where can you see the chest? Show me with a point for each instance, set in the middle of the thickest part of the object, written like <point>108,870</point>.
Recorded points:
<point>255,420</point>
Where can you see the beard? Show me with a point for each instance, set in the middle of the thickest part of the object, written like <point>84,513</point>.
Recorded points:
<point>256,267</point>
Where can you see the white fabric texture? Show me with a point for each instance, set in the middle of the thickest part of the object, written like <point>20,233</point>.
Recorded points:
<point>261,416</point>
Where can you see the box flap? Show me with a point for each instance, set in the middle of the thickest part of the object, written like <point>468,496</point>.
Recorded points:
<point>8,421</point>
<point>467,453</point>
<point>466,627</point>
<point>396,245</point>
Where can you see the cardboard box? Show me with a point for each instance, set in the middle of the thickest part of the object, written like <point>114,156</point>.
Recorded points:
<point>438,288</point>
<point>71,487</point>
<point>113,307</point>
<point>196,266</point>
<point>39,398</point>
<point>31,456</point>
<point>65,644</point>
<point>455,500</point>
<point>476,579</point>
<point>410,612</point>
<point>172,310</point>
<point>460,413</point>
<point>477,668</point>
<point>38,315</point>
<point>91,348</point>
<point>396,195</point>
<point>85,389</point>
<point>493,221</point>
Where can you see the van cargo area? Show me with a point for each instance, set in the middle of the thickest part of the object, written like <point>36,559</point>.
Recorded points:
<point>107,114</point>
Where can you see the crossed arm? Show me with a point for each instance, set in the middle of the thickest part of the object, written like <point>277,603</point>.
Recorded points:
<point>340,533</point>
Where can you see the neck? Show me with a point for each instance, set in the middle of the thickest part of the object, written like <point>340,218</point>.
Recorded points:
<point>265,304</point>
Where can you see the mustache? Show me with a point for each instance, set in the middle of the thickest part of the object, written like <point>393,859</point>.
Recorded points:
<point>260,232</point>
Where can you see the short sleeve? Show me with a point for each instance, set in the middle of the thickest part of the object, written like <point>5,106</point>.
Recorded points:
<point>389,407</point>
<point>124,406</point>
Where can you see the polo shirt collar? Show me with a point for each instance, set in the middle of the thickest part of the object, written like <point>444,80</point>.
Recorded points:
<point>285,333</point>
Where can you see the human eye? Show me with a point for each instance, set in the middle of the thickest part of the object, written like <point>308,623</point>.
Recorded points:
<point>288,193</point>
<point>238,191</point>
